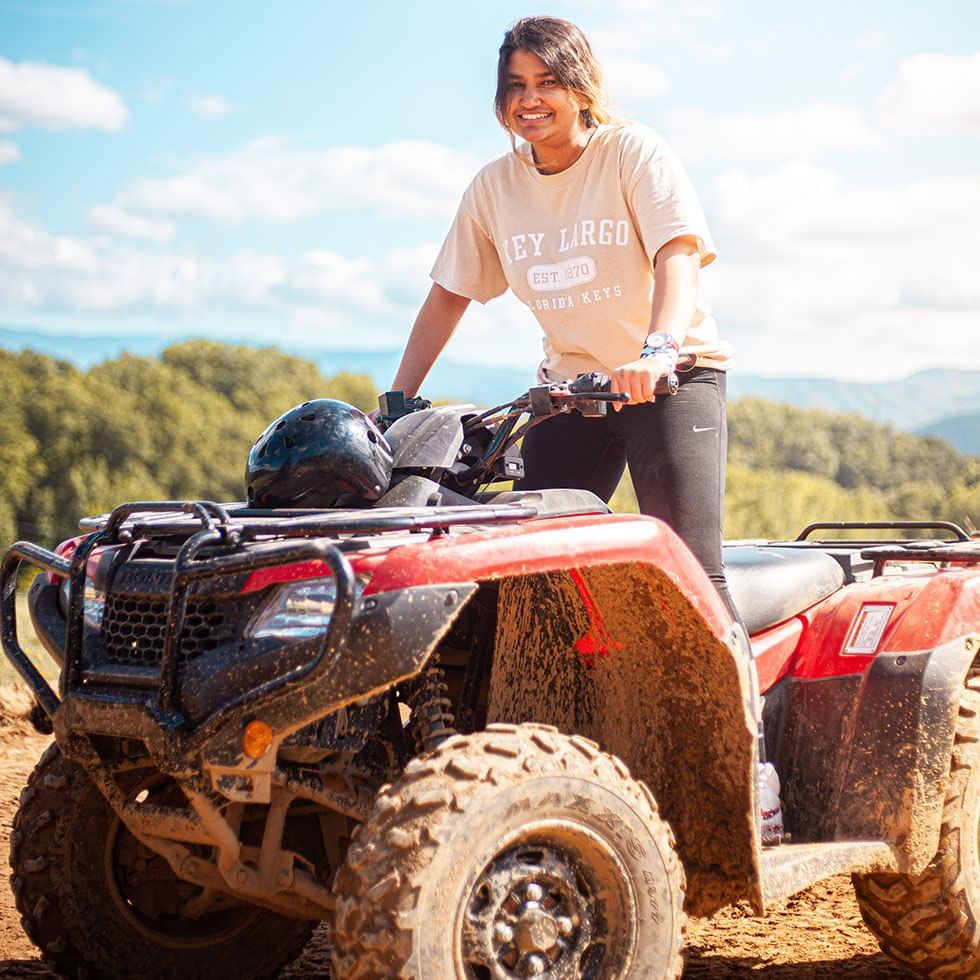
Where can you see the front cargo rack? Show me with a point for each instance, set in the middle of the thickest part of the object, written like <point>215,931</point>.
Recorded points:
<point>238,522</point>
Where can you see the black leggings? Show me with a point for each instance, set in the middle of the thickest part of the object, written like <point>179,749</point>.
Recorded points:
<point>676,449</point>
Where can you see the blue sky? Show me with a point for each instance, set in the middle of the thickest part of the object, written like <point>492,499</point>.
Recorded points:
<point>285,172</point>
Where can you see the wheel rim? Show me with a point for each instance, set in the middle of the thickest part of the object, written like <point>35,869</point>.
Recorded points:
<point>150,896</point>
<point>555,905</point>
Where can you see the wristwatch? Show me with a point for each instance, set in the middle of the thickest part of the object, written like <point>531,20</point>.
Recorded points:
<point>661,344</point>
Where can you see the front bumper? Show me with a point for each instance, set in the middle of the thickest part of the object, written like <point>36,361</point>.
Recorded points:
<point>194,717</point>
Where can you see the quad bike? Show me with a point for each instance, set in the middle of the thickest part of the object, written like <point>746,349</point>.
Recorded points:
<point>483,734</point>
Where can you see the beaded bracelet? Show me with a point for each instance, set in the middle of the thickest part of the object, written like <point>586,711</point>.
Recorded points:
<point>662,344</point>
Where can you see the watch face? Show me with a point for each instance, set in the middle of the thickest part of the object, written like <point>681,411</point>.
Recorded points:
<point>659,340</point>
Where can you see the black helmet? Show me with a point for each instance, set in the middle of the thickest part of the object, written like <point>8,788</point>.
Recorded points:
<point>315,454</point>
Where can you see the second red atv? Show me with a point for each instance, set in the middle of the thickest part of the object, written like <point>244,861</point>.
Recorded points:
<point>482,734</point>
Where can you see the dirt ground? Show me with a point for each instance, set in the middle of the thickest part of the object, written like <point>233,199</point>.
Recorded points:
<point>817,934</point>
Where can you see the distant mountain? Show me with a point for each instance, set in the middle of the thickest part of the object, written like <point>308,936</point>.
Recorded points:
<point>963,431</point>
<point>920,400</point>
<point>83,352</point>
<point>944,403</point>
<point>449,379</point>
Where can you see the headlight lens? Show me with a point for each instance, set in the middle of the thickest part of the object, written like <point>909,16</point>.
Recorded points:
<point>94,602</point>
<point>299,611</point>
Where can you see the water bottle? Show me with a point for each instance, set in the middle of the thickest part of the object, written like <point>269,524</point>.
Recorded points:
<point>770,807</point>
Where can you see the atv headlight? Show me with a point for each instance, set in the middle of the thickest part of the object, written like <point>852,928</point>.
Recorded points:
<point>94,602</point>
<point>299,611</point>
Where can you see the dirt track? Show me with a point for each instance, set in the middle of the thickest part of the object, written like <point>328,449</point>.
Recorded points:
<point>817,934</point>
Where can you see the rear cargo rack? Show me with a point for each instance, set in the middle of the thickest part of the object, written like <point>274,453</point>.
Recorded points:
<point>958,548</point>
<point>958,533</point>
<point>965,552</point>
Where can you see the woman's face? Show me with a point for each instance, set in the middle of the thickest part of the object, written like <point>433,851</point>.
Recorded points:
<point>539,110</point>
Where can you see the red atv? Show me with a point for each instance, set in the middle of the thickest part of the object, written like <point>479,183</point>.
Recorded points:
<point>483,734</point>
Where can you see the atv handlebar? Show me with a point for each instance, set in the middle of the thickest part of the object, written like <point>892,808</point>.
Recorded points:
<point>587,394</point>
<point>584,393</point>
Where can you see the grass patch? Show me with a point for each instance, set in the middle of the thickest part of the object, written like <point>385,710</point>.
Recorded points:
<point>30,645</point>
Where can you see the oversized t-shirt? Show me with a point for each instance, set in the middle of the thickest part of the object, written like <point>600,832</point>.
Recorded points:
<point>578,248</point>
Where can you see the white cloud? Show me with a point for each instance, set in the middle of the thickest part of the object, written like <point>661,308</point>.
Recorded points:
<point>100,275</point>
<point>52,97</point>
<point>808,132</point>
<point>251,277</point>
<point>114,220</point>
<point>634,32</point>
<point>633,81</point>
<point>42,270</point>
<point>934,92</point>
<point>9,152</point>
<point>817,274</point>
<point>268,180</point>
<point>211,106</point>
<point>331,277</point>
<point>320,297</point>
<point>823,278</point>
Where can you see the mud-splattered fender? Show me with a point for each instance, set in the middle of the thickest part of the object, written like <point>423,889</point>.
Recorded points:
<point>892,767</point>
<point>618,653</point>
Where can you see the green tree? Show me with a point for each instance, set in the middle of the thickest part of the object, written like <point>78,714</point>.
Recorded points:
<point>180,426</point>
<point>778,504</point>
<point>264,381</point>
<point>766,434</point>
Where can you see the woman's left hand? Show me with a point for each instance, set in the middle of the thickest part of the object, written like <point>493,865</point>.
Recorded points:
<point>637,379</point>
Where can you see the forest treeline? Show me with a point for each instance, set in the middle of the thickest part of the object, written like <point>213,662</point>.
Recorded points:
<point>141,428</point>
<point>180,426</point>
<point>789,466</point>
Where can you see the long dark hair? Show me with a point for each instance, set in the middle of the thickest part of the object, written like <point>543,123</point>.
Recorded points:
<point>568,56</point>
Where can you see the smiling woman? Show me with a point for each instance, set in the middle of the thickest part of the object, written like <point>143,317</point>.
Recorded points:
<point>594,225</point>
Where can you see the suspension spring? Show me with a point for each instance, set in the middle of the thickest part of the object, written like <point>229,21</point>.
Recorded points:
<point>432,720</point>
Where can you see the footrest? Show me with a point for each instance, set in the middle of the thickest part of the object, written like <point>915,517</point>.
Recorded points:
<point>790,868</point>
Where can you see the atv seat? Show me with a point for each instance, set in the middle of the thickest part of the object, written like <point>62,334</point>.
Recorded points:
<point>769,585</point>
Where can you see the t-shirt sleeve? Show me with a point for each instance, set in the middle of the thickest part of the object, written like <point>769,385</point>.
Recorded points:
<point>468,263</point>
<point>661,196</point>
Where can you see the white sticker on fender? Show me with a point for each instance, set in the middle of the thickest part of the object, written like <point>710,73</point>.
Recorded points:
<point>868,627</point>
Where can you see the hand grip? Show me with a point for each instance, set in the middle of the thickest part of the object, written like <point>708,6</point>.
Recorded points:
<point>596,382</point>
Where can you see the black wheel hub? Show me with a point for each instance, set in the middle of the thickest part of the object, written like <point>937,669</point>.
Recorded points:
<point>152,899</point>
<point>532,913</point>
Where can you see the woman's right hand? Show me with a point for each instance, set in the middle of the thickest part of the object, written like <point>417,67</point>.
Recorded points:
<point>638,379</point>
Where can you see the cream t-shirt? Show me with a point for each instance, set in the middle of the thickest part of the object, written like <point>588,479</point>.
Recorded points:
<point>578,247</point>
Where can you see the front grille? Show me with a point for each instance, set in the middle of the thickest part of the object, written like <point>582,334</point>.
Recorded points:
<point>133,628</point>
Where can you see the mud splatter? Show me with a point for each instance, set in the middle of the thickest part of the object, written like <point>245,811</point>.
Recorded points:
<point>670,703</point>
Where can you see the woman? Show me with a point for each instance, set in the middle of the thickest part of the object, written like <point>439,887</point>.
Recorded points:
<point>594,225</point>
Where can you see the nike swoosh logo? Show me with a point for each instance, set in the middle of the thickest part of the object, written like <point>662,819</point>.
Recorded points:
<point>709,428</point>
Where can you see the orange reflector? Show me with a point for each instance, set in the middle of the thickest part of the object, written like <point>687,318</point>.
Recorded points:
<point>256,739</point>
